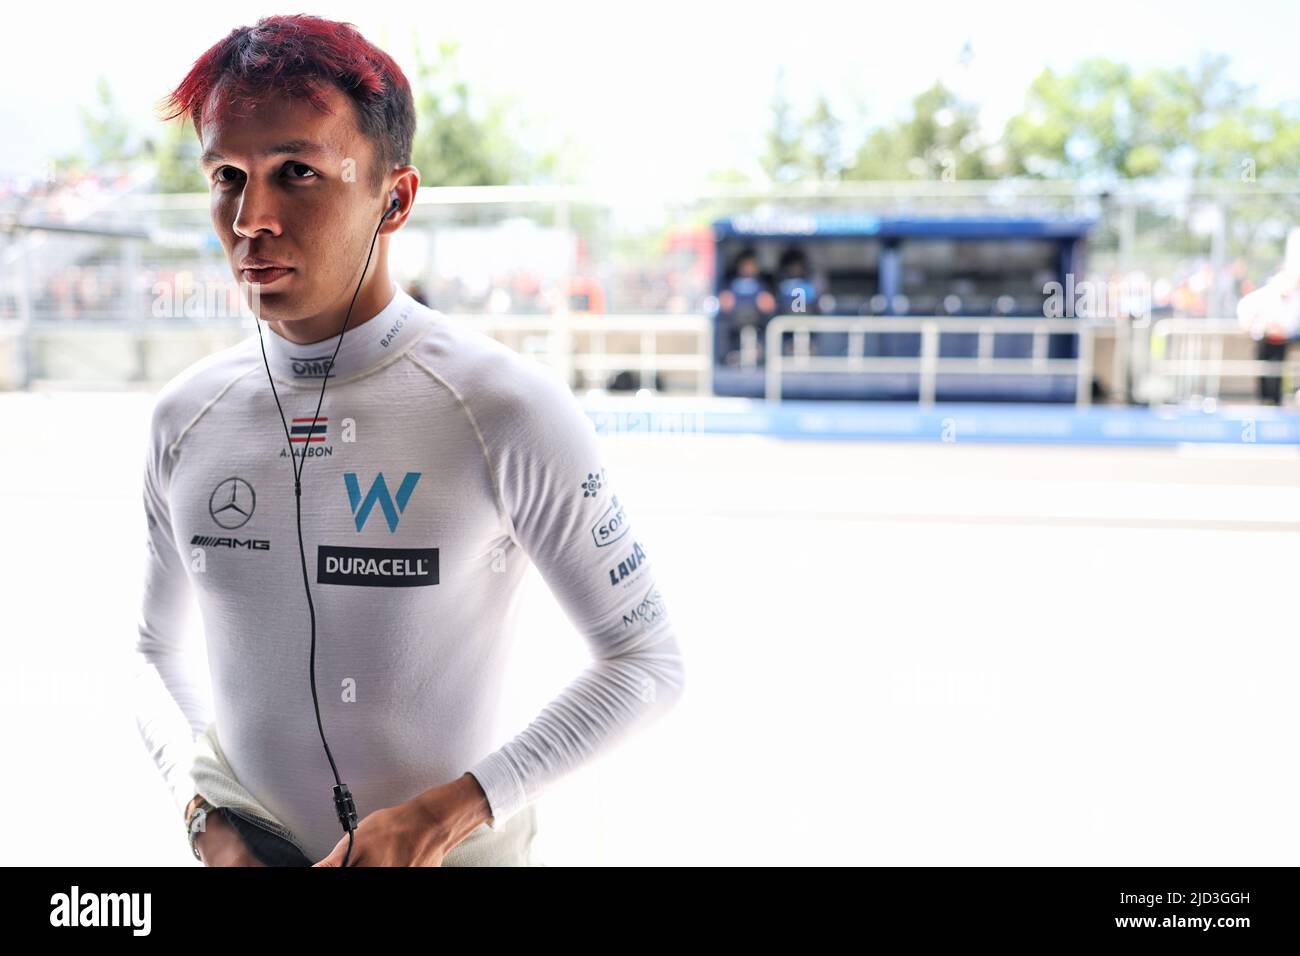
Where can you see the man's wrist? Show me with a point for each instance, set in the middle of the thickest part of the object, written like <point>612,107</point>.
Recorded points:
<point>456,809</point>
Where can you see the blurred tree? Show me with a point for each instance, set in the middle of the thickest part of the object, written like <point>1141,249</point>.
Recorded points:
<point>784,159</point>
<point>1103,119</point>
<point>107,131</point>
<point>939,138</point>
<point>822,136</point>
<point>106,136</point>
<point>176,153</point>
<point>458,145</point>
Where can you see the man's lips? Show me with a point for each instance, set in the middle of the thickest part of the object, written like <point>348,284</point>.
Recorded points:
<point>264,275</point>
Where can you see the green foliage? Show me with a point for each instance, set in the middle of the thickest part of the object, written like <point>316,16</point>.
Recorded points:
<point>457,144</point>
<point>939,138</point>
<point>784,159</point>
<point>107,131</point>
<point>1102,119</point>
<point>176,153</point>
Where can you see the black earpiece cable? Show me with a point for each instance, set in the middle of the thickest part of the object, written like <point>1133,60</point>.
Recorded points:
<point>343,803</point>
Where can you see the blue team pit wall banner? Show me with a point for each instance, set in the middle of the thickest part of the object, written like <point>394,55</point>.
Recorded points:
<point>1050,424</point>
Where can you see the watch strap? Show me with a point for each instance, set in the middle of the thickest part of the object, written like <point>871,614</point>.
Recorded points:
<point>201,805</point>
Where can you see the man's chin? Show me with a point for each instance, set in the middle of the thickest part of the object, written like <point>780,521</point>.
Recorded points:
<point>269,305</point>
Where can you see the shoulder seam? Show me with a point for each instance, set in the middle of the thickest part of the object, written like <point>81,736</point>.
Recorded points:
<point>205,409</point>
<point>478,433</point>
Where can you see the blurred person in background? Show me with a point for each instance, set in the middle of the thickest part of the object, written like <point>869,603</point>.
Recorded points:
<point>746,302</point>
<point>1271,315</point>
<point>796,291</point>
<point>416,292</point>
<point>797,294</point>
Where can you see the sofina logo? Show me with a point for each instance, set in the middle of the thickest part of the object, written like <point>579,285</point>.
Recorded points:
<point>611,525</point>
<point>378,493</point>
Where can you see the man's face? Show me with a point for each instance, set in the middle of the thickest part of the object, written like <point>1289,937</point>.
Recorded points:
<point>292,186</point>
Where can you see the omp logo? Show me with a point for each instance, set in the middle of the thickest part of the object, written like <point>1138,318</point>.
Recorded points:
<point>378,493</point>
<point>315,366</point>
<point>102,909</point>
<point>611,525</point>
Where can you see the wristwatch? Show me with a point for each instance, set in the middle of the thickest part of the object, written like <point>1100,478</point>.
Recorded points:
<point>196,820</point>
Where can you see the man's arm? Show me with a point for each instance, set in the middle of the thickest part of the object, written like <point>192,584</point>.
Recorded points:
<point>172,697</point>
<point>567,515</point>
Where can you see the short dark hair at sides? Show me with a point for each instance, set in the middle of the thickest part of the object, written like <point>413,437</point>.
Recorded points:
<point>293,56</point>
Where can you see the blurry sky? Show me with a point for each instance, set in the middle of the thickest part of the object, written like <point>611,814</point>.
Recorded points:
<point>665,90</point>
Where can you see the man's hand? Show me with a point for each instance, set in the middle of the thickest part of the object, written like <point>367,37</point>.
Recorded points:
<point>419,832</point>
<point>219,843</point>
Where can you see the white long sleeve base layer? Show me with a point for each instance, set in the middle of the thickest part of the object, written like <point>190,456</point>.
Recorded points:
<point>441,464</point>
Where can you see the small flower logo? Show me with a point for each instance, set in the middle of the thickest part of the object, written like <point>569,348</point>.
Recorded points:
<point>592,485</point>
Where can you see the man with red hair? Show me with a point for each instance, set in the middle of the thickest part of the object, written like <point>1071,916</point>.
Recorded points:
<point>438,466</point>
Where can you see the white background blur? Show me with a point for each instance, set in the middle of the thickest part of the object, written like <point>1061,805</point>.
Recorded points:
<point>900,654</point>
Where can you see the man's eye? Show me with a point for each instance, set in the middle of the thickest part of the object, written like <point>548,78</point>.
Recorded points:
<point>217,176</point>
<point>300,170</point>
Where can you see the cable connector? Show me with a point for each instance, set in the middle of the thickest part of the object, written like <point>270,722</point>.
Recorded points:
<point>297,487</point>
<point>346,809</point>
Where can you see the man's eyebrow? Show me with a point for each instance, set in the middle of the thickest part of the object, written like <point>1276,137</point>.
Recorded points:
<point>296,146</point>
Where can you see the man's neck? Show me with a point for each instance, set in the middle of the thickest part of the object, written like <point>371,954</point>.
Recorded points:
<point>393,327</point>
<point>375,293</point>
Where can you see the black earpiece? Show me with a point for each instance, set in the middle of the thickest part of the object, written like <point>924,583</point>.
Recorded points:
<point>393,206</point>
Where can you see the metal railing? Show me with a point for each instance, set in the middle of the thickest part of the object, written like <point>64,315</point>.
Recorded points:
<point>589,348</point>
<point>928,363</point>
<point>581,343</point>
<point>1188,359</point>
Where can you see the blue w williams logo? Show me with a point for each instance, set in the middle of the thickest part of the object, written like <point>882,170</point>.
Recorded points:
<point>379,493</point>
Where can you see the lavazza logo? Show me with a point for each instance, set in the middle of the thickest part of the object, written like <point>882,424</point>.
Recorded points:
<point>102,909</point>
<point>629,567</point>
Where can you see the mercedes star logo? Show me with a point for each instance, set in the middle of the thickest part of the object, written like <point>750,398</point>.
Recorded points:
<point>232,503</point>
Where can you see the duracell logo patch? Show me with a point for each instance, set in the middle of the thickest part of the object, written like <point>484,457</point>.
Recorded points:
<point>377,567</point>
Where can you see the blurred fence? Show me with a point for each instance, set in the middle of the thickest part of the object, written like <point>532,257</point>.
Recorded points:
<point>114,284</point>
<point>928,363</point>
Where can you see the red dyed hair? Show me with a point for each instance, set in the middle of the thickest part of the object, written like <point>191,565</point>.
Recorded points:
<point>293,56</point>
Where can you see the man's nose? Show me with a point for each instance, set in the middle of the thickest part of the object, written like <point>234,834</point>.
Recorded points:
<point>257,213</point>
